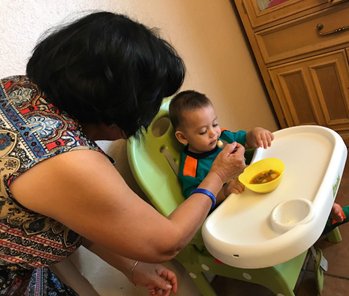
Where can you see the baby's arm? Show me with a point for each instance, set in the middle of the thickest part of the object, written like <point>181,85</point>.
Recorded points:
<point>259,137</point>
<point>233,186</point>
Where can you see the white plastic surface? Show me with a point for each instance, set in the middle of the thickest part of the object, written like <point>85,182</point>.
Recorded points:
<point>291,213</point>
<point>240,231</point>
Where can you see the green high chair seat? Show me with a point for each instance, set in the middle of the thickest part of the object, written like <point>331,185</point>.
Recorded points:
<point>154,161</point>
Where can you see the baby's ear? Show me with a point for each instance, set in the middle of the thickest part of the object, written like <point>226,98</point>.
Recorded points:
<point>181,137</point>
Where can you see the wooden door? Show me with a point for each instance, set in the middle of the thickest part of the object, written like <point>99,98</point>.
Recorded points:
<point>315,91</point>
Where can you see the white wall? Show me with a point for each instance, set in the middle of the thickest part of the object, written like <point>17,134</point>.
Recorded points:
<point>206,33</point>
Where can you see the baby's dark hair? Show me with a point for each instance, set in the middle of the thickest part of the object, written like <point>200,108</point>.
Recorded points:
<point>186,101</point>
<point>107,68</point>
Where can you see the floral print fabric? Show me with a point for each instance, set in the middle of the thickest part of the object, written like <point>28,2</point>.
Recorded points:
<point>31,130</point>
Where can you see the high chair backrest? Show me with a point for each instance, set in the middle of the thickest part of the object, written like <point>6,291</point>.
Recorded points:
<point>154,161</point>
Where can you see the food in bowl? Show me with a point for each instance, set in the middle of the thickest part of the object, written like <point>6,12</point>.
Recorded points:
<point>265,177</point>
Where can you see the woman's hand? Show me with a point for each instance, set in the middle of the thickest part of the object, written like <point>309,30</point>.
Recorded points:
<point>259,138</point>
<point>158,279</point>
<point>230,162</point>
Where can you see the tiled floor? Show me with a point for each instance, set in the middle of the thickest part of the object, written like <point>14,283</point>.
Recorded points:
<point>336,280</point>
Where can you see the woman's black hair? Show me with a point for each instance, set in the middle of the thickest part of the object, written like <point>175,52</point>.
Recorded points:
<point>107,68</point>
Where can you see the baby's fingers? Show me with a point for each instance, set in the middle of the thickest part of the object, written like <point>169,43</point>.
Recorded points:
<point>265,140</point>
<point>270,138</point>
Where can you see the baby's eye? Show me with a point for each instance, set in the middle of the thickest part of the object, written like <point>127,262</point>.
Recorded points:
<point>202,133</point>
<point>215,124</point>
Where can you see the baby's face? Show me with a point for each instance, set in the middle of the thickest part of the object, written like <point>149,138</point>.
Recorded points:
<point>201,129</point>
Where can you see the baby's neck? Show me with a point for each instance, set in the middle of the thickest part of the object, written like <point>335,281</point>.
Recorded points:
<point>198,152</point>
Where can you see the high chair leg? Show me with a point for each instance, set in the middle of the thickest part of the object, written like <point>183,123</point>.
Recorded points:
<point>203,285</point>
<point>334,236</point>
<point>280,279</point>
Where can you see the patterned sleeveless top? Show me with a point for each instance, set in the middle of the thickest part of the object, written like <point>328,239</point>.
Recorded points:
<point>32,130</point>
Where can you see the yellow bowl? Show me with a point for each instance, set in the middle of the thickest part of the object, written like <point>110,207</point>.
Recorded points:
<point>261,166</point>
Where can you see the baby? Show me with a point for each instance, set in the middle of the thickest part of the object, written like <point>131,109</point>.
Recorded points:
<point>196,126</point>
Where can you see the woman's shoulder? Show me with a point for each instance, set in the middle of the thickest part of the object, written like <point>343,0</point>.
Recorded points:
<point>32,129</point>
<point>64,179</point>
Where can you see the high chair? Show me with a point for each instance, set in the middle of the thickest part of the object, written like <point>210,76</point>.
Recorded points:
<point>154,161</point>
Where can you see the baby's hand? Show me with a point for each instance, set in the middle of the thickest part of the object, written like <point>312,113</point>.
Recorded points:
<point>261,138</point>
<point>233,186</point>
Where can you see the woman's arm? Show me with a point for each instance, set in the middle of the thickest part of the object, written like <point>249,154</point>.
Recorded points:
<point>82,190</point>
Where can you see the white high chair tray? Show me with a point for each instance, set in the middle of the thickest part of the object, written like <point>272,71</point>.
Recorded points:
<point>241,233</point>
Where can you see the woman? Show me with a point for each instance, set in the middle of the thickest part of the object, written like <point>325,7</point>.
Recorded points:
<point>102,77</point>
